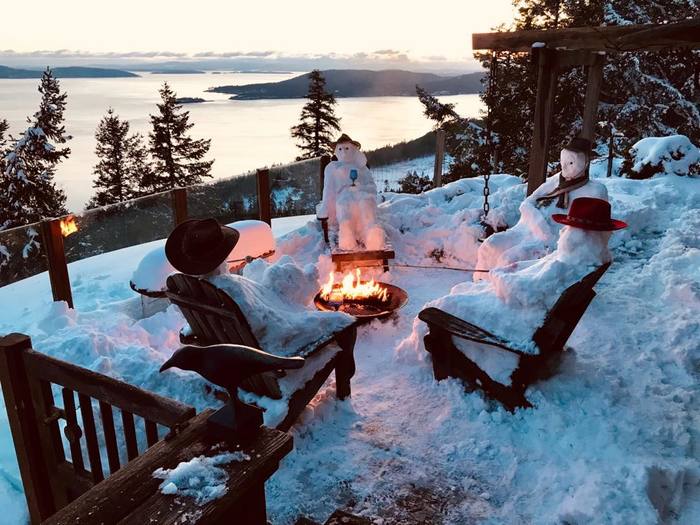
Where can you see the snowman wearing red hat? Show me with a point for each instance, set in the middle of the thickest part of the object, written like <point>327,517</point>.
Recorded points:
<point>536,233</point>
<point>350,198</point>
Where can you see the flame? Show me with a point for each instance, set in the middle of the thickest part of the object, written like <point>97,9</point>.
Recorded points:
<point>68,226</point>
<point>352,288</point>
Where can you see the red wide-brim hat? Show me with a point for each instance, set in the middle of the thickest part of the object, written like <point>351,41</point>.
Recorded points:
<point>588,213</point>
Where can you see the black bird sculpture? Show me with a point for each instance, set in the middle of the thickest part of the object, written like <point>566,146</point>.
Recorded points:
<point>227,366</point>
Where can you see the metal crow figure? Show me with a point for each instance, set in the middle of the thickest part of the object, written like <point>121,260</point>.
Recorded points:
<point>227,366</point>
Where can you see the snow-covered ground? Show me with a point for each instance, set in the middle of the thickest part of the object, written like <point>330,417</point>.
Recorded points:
<point>613,437</point>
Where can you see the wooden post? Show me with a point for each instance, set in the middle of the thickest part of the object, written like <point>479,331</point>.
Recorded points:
<point>439,157</point>
<point>24,428</point>
<point>179,205</point>
<point>546,91</point>
<point>264,202</point>
<point>611,151</point>
<point>325,161</point>
<point>52,241</point>
<point>593,85</point>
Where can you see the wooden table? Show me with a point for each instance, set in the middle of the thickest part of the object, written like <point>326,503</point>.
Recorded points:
<point>131,495</point>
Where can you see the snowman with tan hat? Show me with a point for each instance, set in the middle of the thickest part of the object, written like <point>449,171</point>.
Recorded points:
<point>350,198</point>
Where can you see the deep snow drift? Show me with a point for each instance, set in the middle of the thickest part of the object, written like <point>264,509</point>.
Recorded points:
<point>613,437</point>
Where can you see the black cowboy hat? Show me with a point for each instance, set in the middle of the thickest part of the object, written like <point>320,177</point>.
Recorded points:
<point>580,145</point>
<point>588,213</point>
<point>198,246</point>
<point>346,138</point>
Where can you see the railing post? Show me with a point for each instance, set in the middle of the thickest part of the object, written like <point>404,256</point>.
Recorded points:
<point>439,157</point>
<point>179,204</point>
<point>23,425</point>
<point>325,161</point>
<point>52,241</point>
<point>264,203</point>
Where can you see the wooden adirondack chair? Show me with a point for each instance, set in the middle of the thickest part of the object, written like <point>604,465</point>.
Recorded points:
<point>550,338</point>
<point>215,318</point>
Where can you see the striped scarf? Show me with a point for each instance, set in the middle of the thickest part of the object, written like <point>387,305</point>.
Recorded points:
<point>561,192</point>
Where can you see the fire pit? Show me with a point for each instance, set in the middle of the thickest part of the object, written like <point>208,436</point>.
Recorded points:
<point>362,299</point>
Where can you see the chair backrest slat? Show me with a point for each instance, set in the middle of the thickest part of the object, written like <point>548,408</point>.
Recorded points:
<point>73,431</point>
<point>110,435</point>
<point>132,448</point>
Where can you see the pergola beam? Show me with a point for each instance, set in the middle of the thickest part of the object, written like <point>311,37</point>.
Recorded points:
<point>604,38</point>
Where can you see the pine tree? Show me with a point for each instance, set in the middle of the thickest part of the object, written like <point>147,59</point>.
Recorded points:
<point>643,93</point>
<point>318,122</point>
<point>28,191</point>
<point>177,158</point>
<point>123,162</point>
<point>4,126</point>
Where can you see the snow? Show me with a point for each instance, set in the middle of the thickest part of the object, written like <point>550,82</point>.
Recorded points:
<point>612,437</point>
<point>200,478</point>
<point>672,155</point>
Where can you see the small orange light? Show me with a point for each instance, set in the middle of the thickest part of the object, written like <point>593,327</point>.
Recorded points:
<point>68,226</point>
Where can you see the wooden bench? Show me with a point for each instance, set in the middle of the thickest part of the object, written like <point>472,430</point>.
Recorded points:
<point>342,258</point>
<point>70,491</point>
<point>215,318</point>
<point>550,338</point>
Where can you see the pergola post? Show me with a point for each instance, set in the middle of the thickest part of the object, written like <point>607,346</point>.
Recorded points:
<point>593,85</point>
<point>546,91</point>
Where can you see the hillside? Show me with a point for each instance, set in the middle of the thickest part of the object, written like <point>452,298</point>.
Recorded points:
<point>65,72</point>
<point>359,83</point>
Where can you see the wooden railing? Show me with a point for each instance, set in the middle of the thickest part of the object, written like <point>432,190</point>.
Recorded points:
<point>30,384</point>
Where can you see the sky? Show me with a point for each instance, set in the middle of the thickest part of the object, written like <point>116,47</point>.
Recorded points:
<point>433,31</point>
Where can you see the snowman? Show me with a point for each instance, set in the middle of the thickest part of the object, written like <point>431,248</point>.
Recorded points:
<point>536,233</point>
<point>350,198</point>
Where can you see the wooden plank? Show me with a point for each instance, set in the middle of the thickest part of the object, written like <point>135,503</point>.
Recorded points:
<point>439,157</point>
<point>132,493</point>
<point>157,408</point>
<point>132,449</point>
<point>546,91</point>
<point>52,246</point>
<point>262,178</point>
<point>604,38</point>
<point>325,161</point>
<point>367,255</point>
<point>93,447</point>
<point>24,427</point>
<point>72,430</point>
<point>179,205</point>
<point>593,85</point>
<point>151,432</point>
<point>110,436</point>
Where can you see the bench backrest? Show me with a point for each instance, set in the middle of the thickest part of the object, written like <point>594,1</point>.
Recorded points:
<point>566,313</point>
<point>215,318</point>
<point>40,391</point>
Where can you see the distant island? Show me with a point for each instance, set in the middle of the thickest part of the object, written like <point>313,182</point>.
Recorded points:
<point>65,72</point>
<point>359,83</point>
<point>190,100</point>
<point>177,72</point>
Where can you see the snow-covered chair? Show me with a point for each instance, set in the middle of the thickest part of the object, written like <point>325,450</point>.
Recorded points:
<point>498,354</point>
<point>214,317</point>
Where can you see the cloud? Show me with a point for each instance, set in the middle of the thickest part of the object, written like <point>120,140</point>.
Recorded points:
<point>234,54</point>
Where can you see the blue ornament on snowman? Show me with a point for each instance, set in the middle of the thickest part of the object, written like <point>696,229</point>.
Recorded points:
<point>353,176</point>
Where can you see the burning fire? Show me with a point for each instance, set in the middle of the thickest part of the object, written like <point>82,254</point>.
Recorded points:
<point>68,226</point>
<point>352,288</point>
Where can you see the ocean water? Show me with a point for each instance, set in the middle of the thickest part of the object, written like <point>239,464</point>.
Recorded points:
<point>245,134</point>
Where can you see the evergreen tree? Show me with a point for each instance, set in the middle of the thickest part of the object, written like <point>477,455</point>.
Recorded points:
<point>123,163</point>
<point>28,191</point>
<point>4,126</point>
<point>318,124</point>
<point>643,93</point>
<point>177,158</point>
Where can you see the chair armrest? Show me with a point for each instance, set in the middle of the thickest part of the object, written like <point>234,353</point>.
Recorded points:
<point>442,320</point>
<point>324,227</point>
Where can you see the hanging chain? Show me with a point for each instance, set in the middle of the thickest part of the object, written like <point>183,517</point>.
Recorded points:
<point>489,130</point>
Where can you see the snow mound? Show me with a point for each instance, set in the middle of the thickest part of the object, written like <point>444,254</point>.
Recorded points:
<point>201,478</point>
<point>673,155</point>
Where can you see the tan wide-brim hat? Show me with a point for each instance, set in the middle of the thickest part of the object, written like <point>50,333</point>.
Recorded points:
<point>345,138</point>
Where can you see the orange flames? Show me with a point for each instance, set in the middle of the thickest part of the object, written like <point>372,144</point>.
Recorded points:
<point>352,288</point>
<point>68,226</point>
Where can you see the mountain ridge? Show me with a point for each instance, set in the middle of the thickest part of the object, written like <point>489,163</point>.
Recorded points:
<point>7,72</point>
<point>346,83</point>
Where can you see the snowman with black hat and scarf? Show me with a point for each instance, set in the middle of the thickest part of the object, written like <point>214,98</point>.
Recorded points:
<point>536,233</point>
